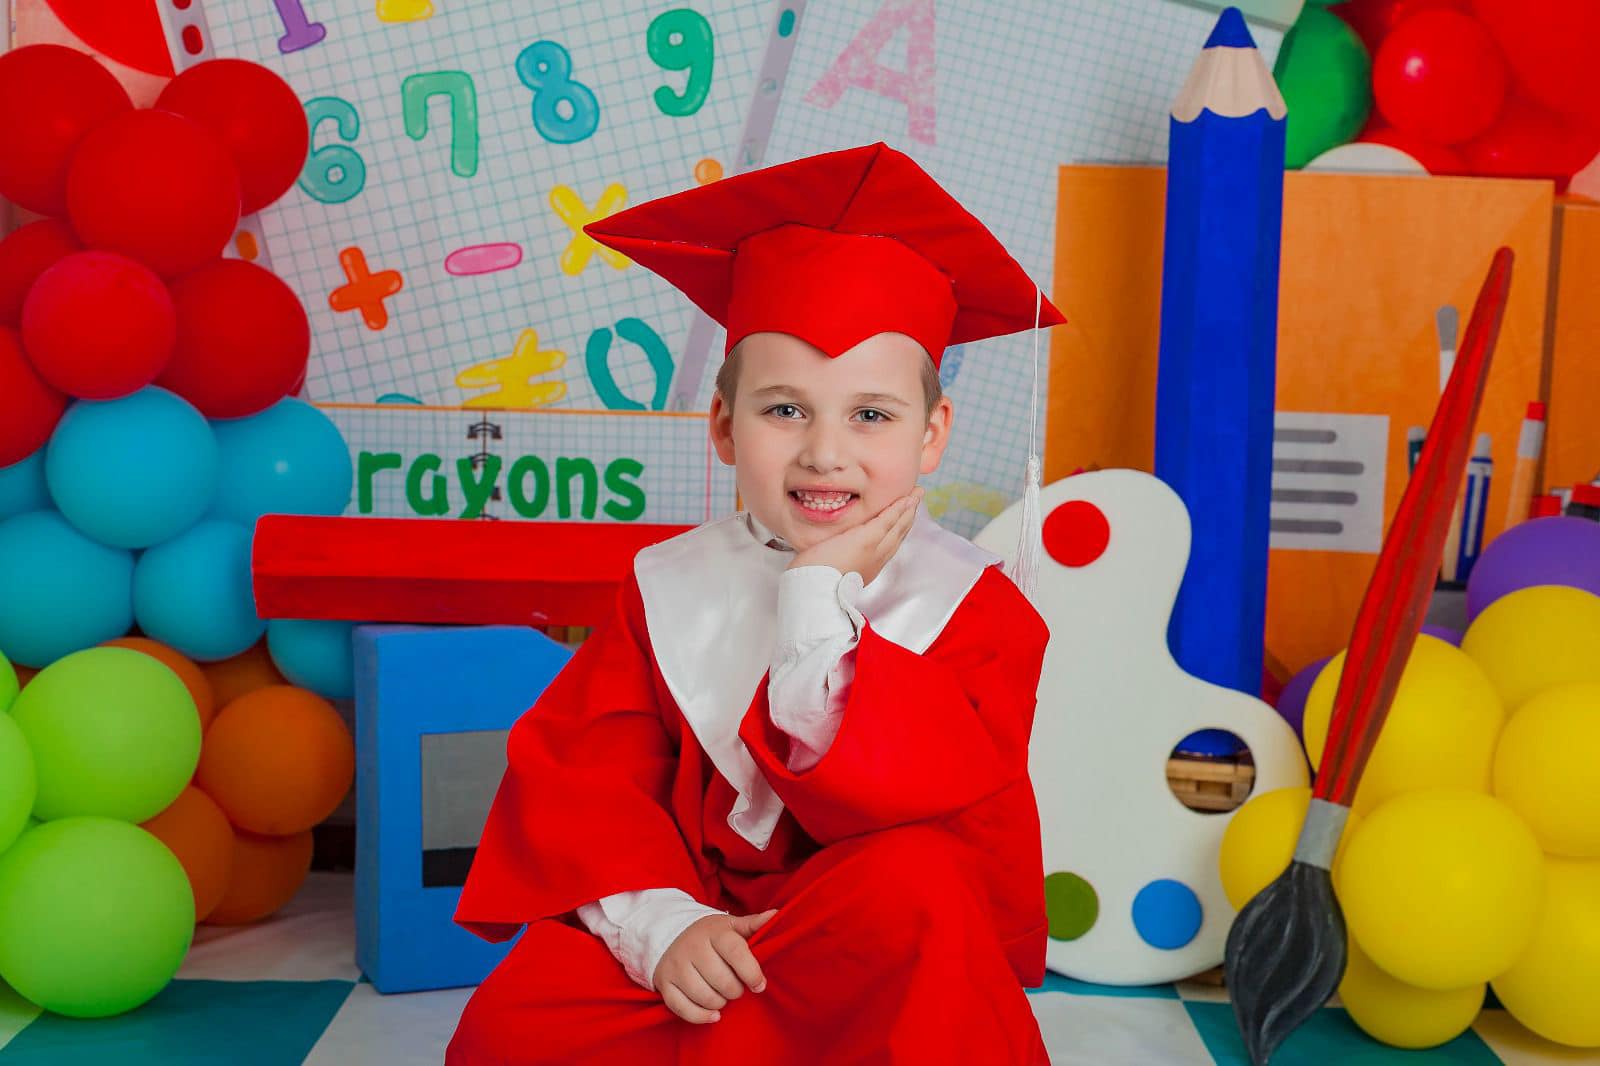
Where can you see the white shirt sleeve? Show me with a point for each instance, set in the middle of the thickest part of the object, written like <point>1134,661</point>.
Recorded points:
<point>813,658</point>
<point>639,926</point>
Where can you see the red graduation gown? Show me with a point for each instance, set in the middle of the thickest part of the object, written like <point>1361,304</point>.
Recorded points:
<point>906,867</point>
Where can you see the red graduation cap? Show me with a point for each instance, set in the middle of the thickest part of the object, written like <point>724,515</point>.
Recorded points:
<point>833,249</point>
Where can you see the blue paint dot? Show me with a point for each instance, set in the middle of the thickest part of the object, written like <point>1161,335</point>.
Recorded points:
<point>786,22</point>
<point>1166,914</point>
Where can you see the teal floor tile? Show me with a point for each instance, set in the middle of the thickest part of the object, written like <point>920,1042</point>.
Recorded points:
<point>1331,1037</point>
<point>226,1023</point>
<point>1054,982</point>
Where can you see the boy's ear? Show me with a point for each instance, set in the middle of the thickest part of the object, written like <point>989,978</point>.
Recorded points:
<point>937,436</point>
<point>721,428</point>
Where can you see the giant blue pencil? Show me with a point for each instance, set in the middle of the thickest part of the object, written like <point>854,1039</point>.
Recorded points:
<point>1219,322</point>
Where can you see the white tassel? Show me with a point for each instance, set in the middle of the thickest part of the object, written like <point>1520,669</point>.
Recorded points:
<point>1030,542</point>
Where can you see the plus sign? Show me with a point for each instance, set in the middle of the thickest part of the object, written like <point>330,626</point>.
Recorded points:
<point>365,291</point>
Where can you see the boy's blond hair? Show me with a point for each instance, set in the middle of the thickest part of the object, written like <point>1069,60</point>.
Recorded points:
<point>728,381</point>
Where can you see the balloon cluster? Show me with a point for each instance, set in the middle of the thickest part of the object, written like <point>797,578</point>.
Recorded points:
<point>1472,858</point>
<point>1496,88</point>
<point>131,808</point>
<point>121,285</point>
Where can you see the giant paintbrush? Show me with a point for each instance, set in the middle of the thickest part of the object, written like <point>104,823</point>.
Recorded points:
<point>1286,951</point>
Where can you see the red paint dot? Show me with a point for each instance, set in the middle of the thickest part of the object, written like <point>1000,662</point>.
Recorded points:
<point>1076,533</point>
<point>193,43</point>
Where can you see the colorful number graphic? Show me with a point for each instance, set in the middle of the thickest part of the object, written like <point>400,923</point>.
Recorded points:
<point>418,89</point>
<point>597,359</point>
<point>680,39</point>
<point>300,32</point>
<point>334,173</point>
<point>546,68</point>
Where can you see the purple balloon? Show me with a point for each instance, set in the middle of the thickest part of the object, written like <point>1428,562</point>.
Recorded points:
<point>1558,550</point>
<point>1444,633</point>
<point>1292,701</point>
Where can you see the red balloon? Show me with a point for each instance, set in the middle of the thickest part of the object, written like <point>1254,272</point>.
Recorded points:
<point>1373,19</point>
<point>50,98</point>
<point>29,408</point>
<point>98,325</point>
<point>25,254</point>
<point>243,339</point>
<point>154,186</point>
<point>129,33</point>
<point>255,114</point>
<point>1435,158</point>
<point>1439,75</point>
<point>1553,48</point>
<point>1531,142</point>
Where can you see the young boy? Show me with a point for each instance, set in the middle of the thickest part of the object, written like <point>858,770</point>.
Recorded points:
<point>778,811</point>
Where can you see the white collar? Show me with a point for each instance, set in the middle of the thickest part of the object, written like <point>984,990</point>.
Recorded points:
<point>711,607</point>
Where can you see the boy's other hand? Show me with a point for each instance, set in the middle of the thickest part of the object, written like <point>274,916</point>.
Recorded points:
<point>868,547</point>
<point>710,964</point>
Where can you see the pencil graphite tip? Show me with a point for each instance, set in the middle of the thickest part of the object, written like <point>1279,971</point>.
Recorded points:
<point>1230,31</point>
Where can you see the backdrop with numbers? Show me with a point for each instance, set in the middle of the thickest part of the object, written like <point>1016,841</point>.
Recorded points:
<point>463,322</point>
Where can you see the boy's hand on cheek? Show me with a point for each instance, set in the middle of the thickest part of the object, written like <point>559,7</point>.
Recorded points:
<point>710,964</point>
<point>868,547</point>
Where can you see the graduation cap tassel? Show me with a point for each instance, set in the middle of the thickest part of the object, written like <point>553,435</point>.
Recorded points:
<point>1030,543</point>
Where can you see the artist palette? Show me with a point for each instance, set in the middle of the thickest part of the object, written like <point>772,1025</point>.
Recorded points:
<point>1131,881</point>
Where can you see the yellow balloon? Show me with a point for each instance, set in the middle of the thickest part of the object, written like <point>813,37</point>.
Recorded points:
<point>1554,988</point>
<point>1441,730</point>
<point>1403,1015</point>
<point>1260,839</point>
<point>1442,888</point>
<point>1536,638</point>
<point>1548,769</point>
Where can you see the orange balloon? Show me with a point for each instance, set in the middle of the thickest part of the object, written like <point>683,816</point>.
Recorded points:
<point>277,760</point>
<point>197,832</point>
<point>193,678</point>
<point>267,872</point>
<point>244,673</point>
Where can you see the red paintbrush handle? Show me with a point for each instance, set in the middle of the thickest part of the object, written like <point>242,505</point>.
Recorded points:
<point>1396,599</point>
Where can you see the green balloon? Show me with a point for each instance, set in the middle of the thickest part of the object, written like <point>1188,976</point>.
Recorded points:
<point>9,687</point>
<point>18,783</point>
<point>96,916</point>
<point>1325,75</point>
<point>113,733</point>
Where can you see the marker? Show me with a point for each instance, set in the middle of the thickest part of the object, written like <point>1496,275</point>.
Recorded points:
<point>1530,443</point>
<point>1548,506</point>
<point>1480,468</point>
<point>1585,502</point>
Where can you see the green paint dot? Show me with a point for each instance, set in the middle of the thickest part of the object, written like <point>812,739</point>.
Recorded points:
<point>1071,904</point>
<point>786,22</point>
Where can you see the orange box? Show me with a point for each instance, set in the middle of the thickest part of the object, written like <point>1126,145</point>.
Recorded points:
<point>1367,261</point>
<point>1572,444</point>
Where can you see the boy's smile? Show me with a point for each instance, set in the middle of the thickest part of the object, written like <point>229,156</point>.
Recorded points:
<point>820,444</point>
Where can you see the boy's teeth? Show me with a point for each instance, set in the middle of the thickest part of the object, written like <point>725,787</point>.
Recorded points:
<point>824,501</point>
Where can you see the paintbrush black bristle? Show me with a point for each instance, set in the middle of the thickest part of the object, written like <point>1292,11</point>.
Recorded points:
<point>1285,957</point>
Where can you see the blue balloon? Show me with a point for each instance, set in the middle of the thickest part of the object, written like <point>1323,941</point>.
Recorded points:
<point>288,459</point>
<point>193,592</point>
<point>60,592</point>
<point>135,471</point>
<point>315,655</point>
<point>22,486</point>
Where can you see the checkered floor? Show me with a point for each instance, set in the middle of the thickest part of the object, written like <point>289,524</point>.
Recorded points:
<point>287,991</point>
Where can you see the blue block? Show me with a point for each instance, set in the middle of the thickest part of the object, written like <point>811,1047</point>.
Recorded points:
<point>412,682</point>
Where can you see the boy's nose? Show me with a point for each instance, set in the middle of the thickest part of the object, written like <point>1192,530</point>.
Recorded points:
<point>822,451</point>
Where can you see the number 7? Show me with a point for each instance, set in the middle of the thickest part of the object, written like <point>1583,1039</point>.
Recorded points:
<point>415,93</point>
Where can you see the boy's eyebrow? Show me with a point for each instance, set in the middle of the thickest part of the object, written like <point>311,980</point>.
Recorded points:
<point>881,399</point>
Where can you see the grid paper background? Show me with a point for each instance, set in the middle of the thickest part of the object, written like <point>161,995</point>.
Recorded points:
<point>1049,82</point>
<point>1018,89</point>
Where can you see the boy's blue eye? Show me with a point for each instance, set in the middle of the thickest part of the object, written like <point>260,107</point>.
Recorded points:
<point>783,410</point>
<point>876,415</point>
